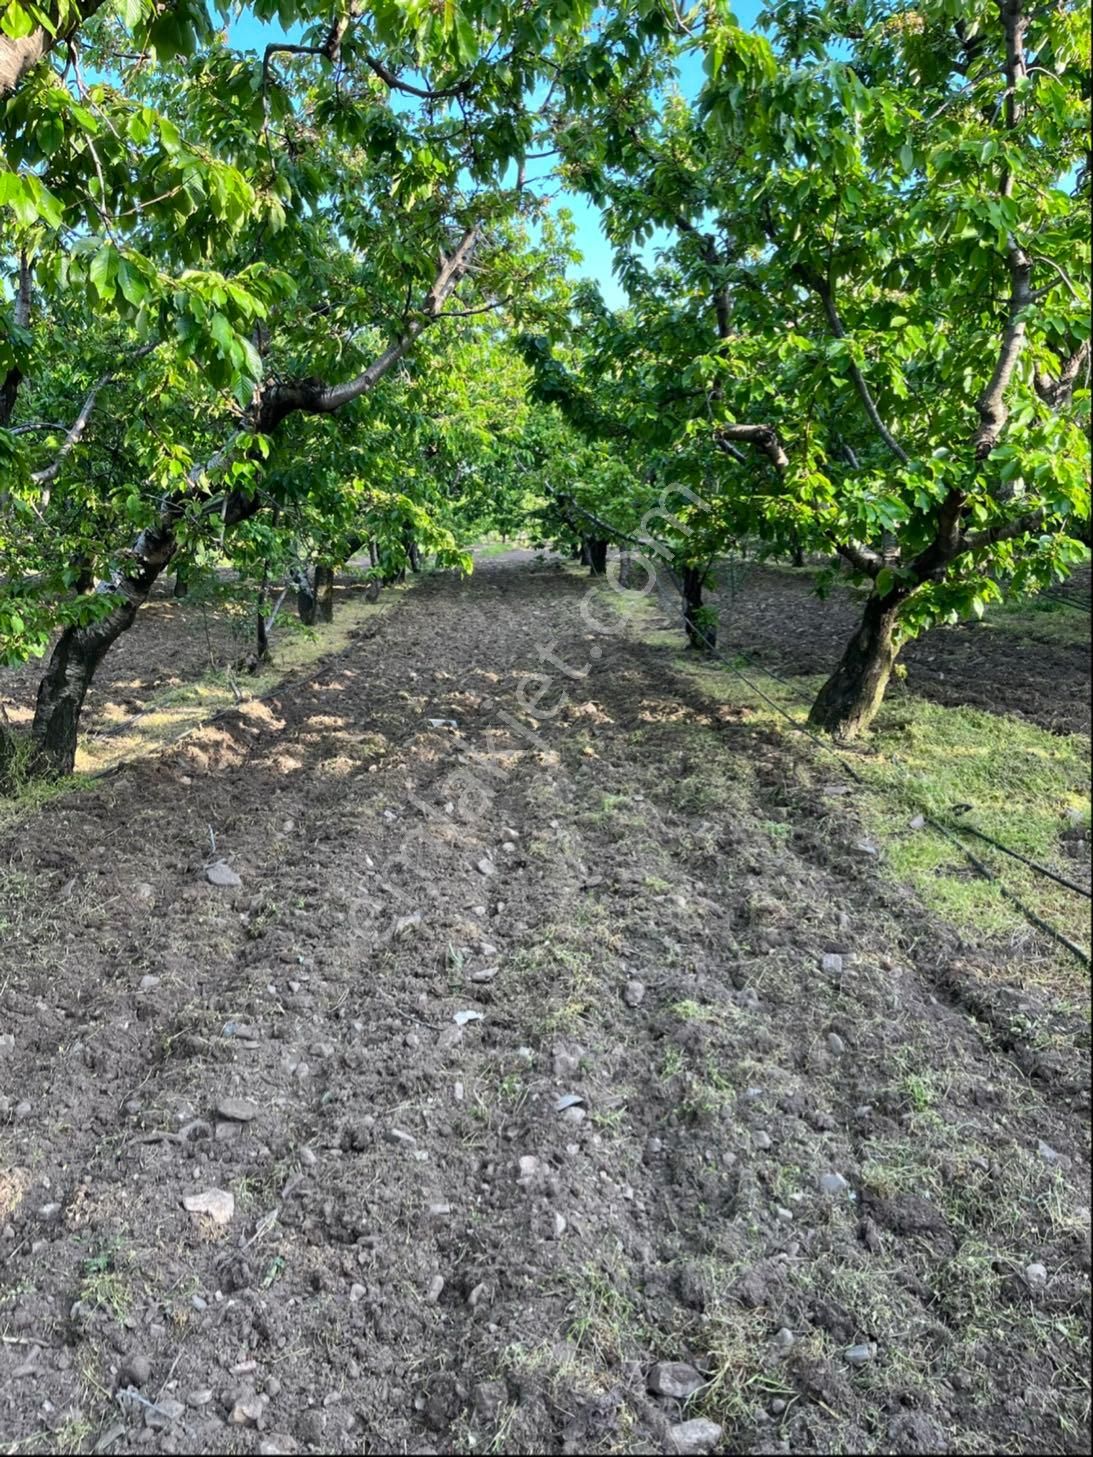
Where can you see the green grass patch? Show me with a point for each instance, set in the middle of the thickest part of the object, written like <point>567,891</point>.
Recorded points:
<point>1043,619</point>
<point>1026,787</point>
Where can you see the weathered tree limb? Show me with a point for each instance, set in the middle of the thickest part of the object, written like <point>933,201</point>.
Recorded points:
<point>763,437</point>
<point>9,388</point>
<point>49,473</point>
<point>17,57</point>
<point>827,298</point>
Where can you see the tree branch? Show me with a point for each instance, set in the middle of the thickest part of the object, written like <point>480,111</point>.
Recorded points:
<point>17,57</point>
<point>827,297</point>
<point>9,387</point>
<point>49,473</point>
<point>763,437</point>
<point>860,557</point>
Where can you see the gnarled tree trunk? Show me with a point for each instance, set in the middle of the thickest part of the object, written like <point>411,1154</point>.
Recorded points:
<point>64,686</point>
<point>323,578</point>
<point>597,556</point>
<point>848,701</point>
<point>701,635</point>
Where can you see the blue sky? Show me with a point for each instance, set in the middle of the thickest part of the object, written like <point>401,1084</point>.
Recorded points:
<point>595,250</point>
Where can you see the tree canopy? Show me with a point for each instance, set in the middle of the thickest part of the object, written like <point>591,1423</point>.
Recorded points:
<point>266,302</point>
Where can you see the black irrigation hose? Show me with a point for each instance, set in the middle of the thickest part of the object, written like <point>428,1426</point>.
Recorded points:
<point>1079,604</point>
<point>1030,915</point>
<point>1032,864</point>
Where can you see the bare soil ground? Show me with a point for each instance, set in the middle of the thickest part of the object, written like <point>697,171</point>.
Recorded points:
<point>778,618</point>
<point>729,1099</point>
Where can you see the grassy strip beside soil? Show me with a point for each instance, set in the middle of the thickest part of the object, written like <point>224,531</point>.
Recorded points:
<point>1028,788</point>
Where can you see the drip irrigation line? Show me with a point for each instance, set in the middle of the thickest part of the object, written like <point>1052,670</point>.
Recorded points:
<point>1078,604</point>
<point>1032,864</point>
<point>1029,914</point>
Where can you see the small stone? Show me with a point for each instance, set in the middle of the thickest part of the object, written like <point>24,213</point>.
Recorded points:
<point>439,1210</point>
<point>278,1444</point>
<point>762,1139</point>
<point>148,983</point>
<point>696,1436</point>
<point>528,1166</point>
<point>248,1411</point>
<point>49,1212</point>
<point>867,847</point>
<point>356,1294</point>
<point>634,993</point>
<point>236,1110</point>
<point>559,1226</point>
<point>574,1114</point>
<point>836,1044</point>
<point>832,963</point>
<point>486,867</point>
<point>436,1289</point>
<point>784,1339</point>
<point>676,1379</point>
<point>1036,1276</point>
<point>1047,1153</point>
<point>833,1184</point>
<point>399,1137</point>
<point>21,1110</point>
<point>163,1413</point>
<point>919,822</point>
<point>405,924</point>
<point>217,1204</point>
<point>136,1370</point>
<point>862,1354</point>
<point>486,973</point>
<point>223,875</point>
<point>777,1407</point>
<point>201,1397</point>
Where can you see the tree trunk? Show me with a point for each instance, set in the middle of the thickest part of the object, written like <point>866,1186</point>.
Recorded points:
<point>409,546</point>
<point>700,634</point>
<point>586,551</point>
<point>324,592</point>
<point>182,584</point>
<point>306,602</point>
<point>848,701</point>
<point>64,685</point>
<point>796,550</point>
<point>597,556</point>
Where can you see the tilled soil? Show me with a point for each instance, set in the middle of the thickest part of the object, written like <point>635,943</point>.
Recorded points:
<point>778,619</point>
<point>725,1099</point>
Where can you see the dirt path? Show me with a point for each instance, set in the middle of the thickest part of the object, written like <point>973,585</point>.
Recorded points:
<point>728,1100</point>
